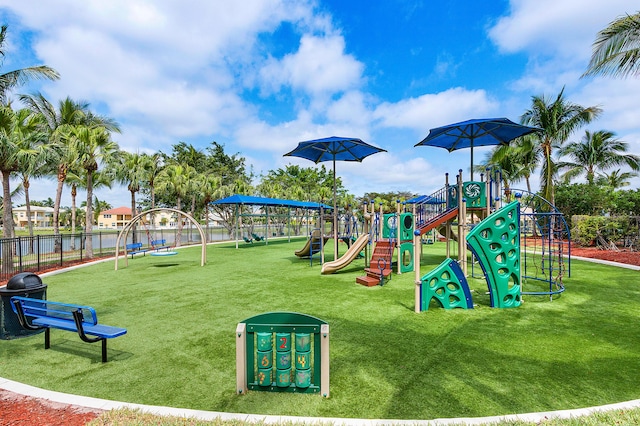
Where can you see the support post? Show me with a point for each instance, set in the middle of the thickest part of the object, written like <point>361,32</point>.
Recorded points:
<point>324,356</point>
<point>241,359</point>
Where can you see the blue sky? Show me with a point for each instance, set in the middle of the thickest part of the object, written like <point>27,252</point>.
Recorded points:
<point>261,75</point>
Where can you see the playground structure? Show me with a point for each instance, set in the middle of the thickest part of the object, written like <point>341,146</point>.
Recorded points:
<point>521,242</point>
<point>122,236</point>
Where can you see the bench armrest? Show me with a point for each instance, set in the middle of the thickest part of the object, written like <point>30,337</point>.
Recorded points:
<point>79,320</point>
<point>22,319</point>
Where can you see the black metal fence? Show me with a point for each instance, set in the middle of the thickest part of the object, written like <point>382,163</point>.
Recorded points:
<point>43,252</point>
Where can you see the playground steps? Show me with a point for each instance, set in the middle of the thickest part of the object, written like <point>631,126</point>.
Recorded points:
<point>381,258</point>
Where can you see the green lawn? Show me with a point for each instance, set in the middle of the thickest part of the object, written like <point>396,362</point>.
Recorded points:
<point>386,361</point>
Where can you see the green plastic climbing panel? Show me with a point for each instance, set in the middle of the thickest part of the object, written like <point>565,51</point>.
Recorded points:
<point>447,285</point>
<point>475,194</point>
<point>495,242</point>
<point>406,257</point>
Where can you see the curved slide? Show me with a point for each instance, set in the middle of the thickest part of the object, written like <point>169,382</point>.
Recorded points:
<point>347,258</point>
<point>304,251</point>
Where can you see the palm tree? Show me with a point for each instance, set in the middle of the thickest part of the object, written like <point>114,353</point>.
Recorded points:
<point>558,119</point>
<point>132,171</point>
<point>18,136</point>
<point>174,179</point>
<point>98,206</point>
<point>616,179</point>
<point>58,124</point>
<point>12,79</point>
<point>153,166</point>
<point>512,163</point>
<point>210,189</point>
<point>75,179</point>
<point>34,159</point>
<point>94,147</point>
<point>597,151</point>
<point>616,51</point>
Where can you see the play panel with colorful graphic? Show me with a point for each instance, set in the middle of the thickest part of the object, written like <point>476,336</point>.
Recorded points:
<point>283,352</point>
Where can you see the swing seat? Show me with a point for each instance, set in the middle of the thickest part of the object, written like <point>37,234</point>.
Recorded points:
<point>247,240</point>
<point>257,237</point>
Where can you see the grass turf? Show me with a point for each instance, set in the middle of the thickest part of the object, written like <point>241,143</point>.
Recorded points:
<point>386,361</point>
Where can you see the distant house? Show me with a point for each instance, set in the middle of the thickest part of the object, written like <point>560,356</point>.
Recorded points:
<point>114,218</point>
<point>119,217</point>
<point>41,217</point>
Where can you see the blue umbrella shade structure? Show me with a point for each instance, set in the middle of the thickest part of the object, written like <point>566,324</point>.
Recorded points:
<point>331,149</point>
<point>476,132</point>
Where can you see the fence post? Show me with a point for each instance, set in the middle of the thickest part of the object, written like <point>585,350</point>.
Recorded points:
<point>38,250</point>
<point>20,253</point>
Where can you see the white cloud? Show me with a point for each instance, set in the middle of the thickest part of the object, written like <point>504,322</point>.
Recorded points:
<point>552,27</point>
<point>319,66</point>
<point>433,110</point>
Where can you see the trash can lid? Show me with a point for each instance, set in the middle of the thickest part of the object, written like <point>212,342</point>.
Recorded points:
<point>24,280</point>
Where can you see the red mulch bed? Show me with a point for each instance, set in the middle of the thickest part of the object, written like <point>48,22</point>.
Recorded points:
<point>18,410</point>
<point>21,410</point>
<point>622,256</point>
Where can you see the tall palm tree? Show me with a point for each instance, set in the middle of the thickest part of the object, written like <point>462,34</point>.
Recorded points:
<point>18,139</point>
<point>94,147</point>
<point>76,179</point>
<point>616,51</point>
<point>174,179</point>
<point>32,165</point>
<point>597,151</point>
<point>558,118</point>
<point>58,124</point>
<point>12,79</point>
<point>132,171</point>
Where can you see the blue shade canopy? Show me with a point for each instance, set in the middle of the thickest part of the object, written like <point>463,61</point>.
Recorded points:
<point>334,148</point>
<point>476,132</point>
<point>261,201</point>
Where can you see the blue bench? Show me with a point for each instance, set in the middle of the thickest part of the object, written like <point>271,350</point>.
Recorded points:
<point>37,314</point>
<point>159,245</point>
<point>135,248</point>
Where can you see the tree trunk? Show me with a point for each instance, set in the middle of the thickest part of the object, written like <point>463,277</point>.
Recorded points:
<point>27,201</point>
<point>62,175</point>
<point>206,216</point>
<point>134,213</point>
<point>25,185</point>
<point>179,233</point>
<point>74,192</point>
<point>89,219</point>
<point>7,225</point>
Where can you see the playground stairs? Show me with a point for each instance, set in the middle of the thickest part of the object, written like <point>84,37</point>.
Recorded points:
<point>380,267</point>
<point>438,220</point>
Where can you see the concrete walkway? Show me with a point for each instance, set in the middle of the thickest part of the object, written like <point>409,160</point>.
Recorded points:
<point>103,404</point>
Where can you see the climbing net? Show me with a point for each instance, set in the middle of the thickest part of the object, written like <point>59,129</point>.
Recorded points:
<point>545,245</point>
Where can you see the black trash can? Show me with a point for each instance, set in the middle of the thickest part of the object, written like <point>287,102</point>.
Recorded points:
<point>26,284</point>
